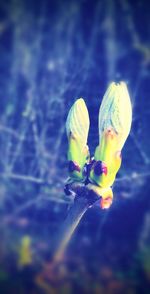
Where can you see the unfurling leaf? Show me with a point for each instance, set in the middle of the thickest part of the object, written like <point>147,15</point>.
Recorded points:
<point>77,128</point>
<point>115,117</point>
<point>116,112</point>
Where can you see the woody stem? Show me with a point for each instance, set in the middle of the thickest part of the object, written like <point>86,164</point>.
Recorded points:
<point>83,200</point>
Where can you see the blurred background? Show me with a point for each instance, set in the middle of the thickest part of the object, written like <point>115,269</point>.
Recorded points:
<point>51,53</point>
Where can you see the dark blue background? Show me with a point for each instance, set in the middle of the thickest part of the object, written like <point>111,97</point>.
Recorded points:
<point>51,53</point>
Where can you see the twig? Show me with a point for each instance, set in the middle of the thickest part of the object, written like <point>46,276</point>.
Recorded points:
<point>83,200</point>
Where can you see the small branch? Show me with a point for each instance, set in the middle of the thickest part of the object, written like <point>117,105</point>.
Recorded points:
<point>83,200</point>
<point>22,177</point>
